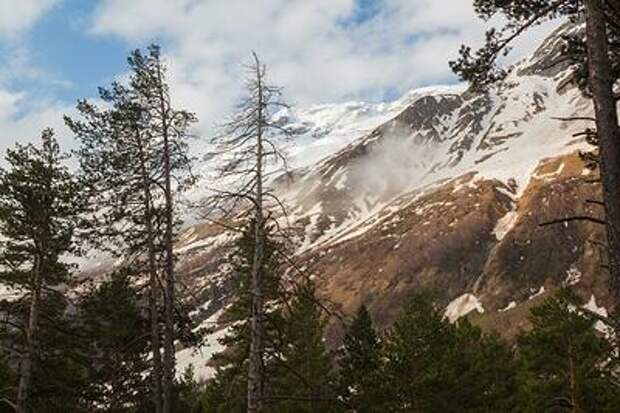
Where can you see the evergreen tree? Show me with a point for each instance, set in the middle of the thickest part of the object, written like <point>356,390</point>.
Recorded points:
<point>170,127</point>
<point>304,379</point>
<point>226,391</point>
<point>360,365</point>
<point>116,337</point>
<point>40,206</point>
<point>435,366</point>
<point>134,156</point>
<point>60,377</point>
<point>565,365</point>
<point>119,161</point>
<point>188,393</point>
<point>486,371</point>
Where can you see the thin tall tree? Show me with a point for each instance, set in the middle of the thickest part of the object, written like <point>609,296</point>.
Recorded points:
<point>250,143</point>
<point>117,159</point>
<point>130,154</point>
<point>170,127</point>
<point>601,81</point>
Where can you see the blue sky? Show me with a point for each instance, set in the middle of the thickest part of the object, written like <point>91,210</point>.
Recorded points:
<point>57,51</point>
<point>60,44</point>
<point>71,62</point>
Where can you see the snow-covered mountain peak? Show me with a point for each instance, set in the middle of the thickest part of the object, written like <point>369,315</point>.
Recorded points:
<point>324,129</point>
<point>442,189</point>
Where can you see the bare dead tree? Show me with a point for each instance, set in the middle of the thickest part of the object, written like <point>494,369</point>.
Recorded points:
<point>250,144</point>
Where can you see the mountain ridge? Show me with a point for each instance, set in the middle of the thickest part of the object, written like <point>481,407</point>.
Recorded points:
<point>444,191</point>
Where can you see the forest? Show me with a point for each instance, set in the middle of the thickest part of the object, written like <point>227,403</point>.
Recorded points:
<point>72,341</point>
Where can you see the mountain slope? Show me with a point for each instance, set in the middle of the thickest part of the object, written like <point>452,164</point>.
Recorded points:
<point>445,191</point>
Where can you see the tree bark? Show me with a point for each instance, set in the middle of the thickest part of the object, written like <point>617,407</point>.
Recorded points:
<point>169,296</point>
<point>153,284</point>
<point>574,394</point>
<point>601,84</point>
<point>27,364</point>
<point>256,322</point>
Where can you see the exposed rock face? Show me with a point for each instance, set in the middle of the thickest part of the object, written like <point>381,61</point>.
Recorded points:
<point>447,196</point>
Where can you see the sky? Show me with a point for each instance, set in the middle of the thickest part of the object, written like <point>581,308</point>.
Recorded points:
<point>54,52</point>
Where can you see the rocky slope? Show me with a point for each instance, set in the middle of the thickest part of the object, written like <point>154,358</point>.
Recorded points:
<point>443,190</point>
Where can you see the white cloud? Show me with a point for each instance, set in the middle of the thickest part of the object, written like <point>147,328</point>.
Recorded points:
<point>19,15</point>
<point>312,48</point>
<point>23,116</point>
<point>309,50</point>
<point>22,121</point>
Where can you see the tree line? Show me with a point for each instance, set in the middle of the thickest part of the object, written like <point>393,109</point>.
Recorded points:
<point>70,345</point>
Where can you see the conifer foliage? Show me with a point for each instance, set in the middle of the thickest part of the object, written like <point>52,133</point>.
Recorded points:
<point>226,392</point>
<point>434,366</point>
<point>135,161</point>
<point>360,362</point>
<point>40,206</point>
<point>565,364</point>
<point>116,344</point>
<point>304,377</point>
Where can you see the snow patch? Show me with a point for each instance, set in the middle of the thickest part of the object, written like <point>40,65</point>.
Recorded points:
<point>505,224</point>
<point>9,294</point>
<point>510,306</point>
<point>573,276</point>
<point>208,243</point>
<point>540,291</point>
<point>461,306</point>
<point>199,356</point>
<point>601,311</point>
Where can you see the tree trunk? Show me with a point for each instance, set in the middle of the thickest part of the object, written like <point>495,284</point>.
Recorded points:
<point>27,364</point>
<point>601,85</point>
<point>169,298</point>
<point>574,394</point>
<point>256,330</point>
<point>153,285</point>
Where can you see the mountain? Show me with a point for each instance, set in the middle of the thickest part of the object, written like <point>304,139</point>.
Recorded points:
<point>444,190</point>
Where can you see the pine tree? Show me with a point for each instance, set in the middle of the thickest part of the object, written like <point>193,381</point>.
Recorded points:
<point>40,206</point>
<point>304,379</point>
<point>226,391</point>
<point>597,56</point>
<point>115,329</point>
<point>170,127</point>
<point>434,366</point>
<point>485,370</point>
<point>361,366</point>
<point>119,161</point>
<point>134,157</point>
<point>188,393</point>
<point>565,365</point>
<point>60,377</point>
<point>414,350</point>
